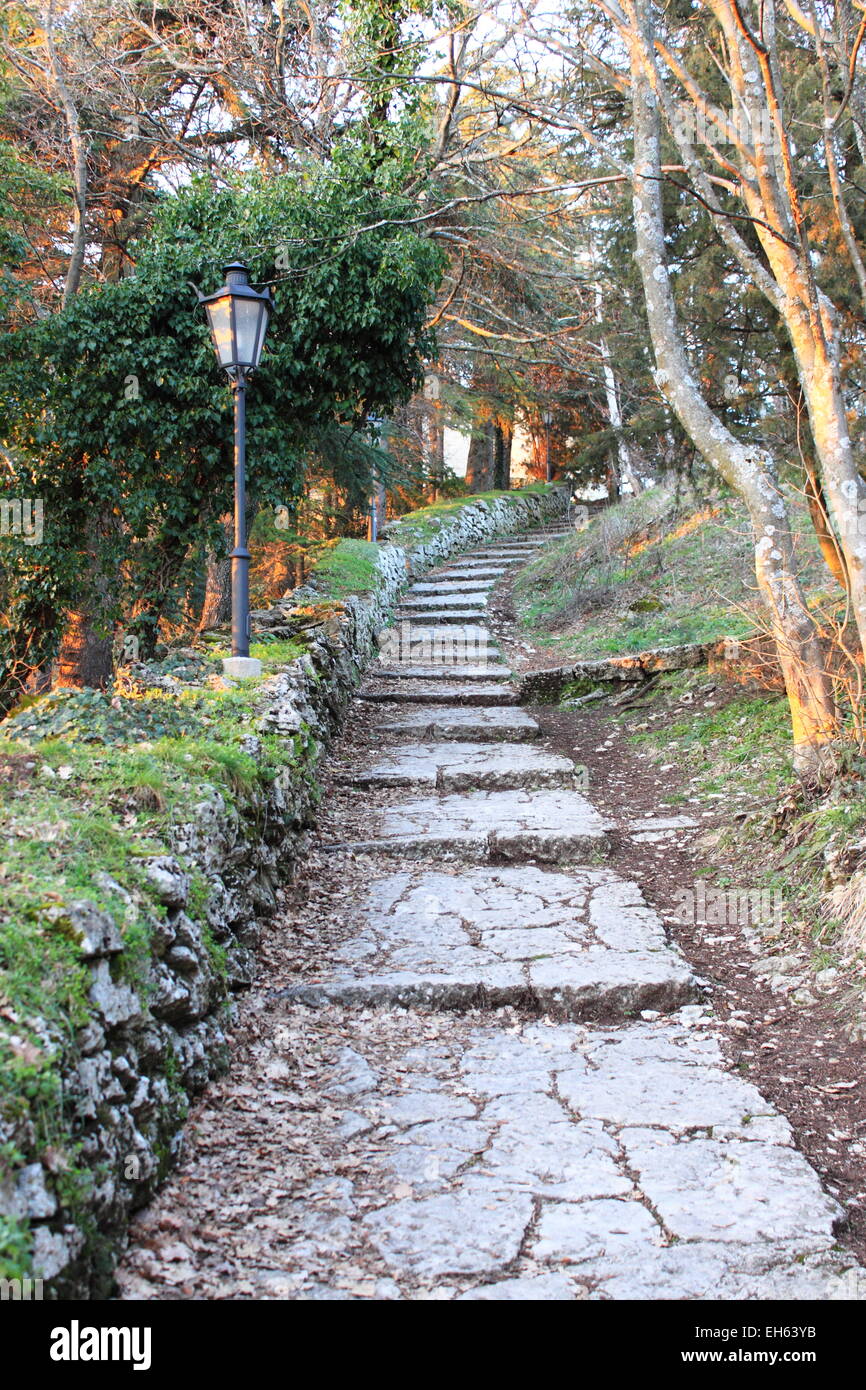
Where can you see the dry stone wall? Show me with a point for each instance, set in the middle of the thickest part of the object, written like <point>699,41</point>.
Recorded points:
<point>157,1030</point>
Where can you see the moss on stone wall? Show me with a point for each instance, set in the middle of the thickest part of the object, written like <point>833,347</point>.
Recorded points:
<point>144,834</point>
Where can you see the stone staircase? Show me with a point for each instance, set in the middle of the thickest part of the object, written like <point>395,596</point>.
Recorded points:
<point>508,1085</point>
<point>646,1168</point>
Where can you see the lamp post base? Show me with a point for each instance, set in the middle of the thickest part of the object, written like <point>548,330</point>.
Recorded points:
<point>240,668</point>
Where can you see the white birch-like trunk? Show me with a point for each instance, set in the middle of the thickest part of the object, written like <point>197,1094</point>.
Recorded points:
<point>614,413</point>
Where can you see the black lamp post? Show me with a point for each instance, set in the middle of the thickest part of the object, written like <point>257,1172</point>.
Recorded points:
<point>547,417</point>
<point>238,318</point>
<point>376,429</point>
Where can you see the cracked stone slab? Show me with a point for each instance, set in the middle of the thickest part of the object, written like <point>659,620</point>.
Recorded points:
<point>486,687</point>
<point>462,1172</point>
<point>476,1230</point>
<point>614,1088</point>
<point>528,937</point>
<point>548,824</point>
<point>570,1232</point>
<point>447,722</point>
<point>711,1189</point>
<point>458,766</point>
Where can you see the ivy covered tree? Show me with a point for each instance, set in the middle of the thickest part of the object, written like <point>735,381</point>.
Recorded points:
<point>117,417</point>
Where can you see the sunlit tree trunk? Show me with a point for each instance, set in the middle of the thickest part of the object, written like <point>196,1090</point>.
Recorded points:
<point>503,437</point>
<point>480,463</point>
<point>217,607</point>
<point>626,468</point>
<point>748,470</point>
<point>85,657</point>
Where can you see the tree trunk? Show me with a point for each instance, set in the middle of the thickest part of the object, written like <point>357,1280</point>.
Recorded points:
<point>433,436</point>
<point>503,436</point>
<point>750,472</point>
<point>626,467</point>
<point>216,610</point>
<point>830,548</point>
<point>85,657</point>
<point>79,159</point>
<point>217,607</point>
<point>479,466</point>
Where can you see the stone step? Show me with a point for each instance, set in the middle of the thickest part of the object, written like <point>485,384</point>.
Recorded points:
<point>441,670</point>
<point>511,553</point>
<point>430,616</point>
<point>399,654</point>
<point>470,572</point>
<point>514,542</point>
<point>415,628</point>
<point>445,598</point>
<point>456,766</point>
<point>489,694</point>
<point>576,945</point>
<point>446,644</point>
<point>453,586</point>
<point>551,825</point>
<point>454,722</point>
<point>513,558</point>
<point>544,533</point>
<point>470,558</point>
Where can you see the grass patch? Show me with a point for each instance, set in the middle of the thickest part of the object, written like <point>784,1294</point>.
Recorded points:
<point>645,574</point>
<point>427,520</point>
<point>272,652</point>
<point>346,567</point>
<point>734,750</point>
<point>734,746</point>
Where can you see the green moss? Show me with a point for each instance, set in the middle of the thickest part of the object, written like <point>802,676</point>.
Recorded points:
<point>132,966</point>
<point>272,652</point>
<point>576,689</point>
<point>216,952</point>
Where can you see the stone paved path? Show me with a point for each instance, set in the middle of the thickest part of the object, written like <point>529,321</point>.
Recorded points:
<point>475,1067</point>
